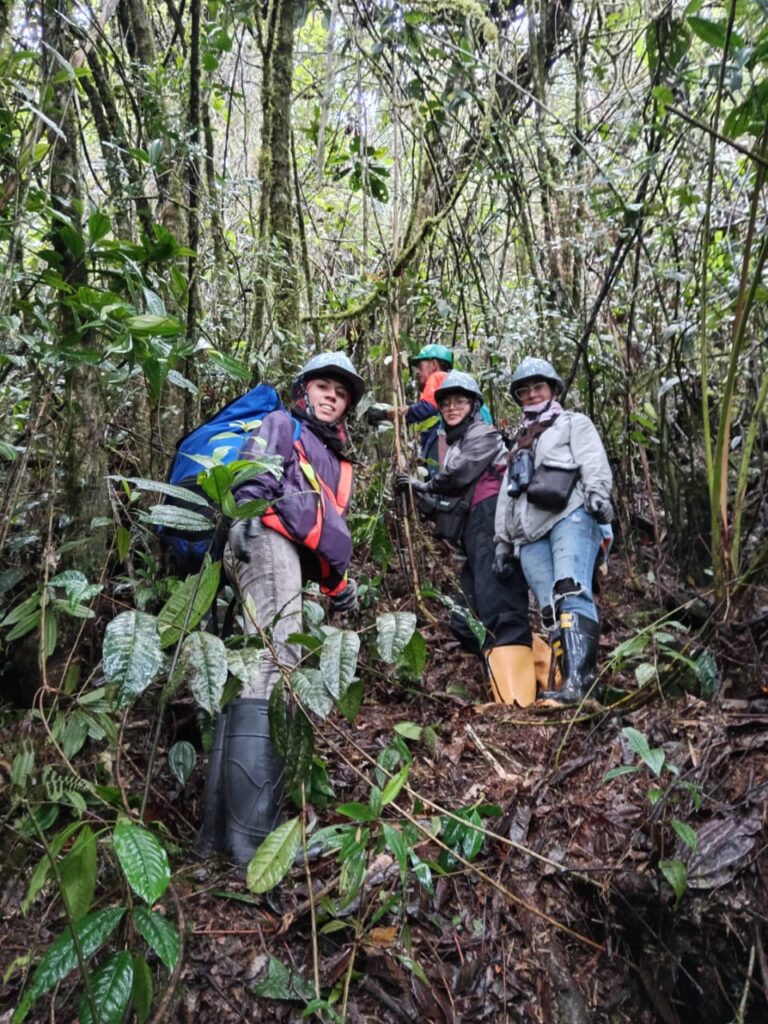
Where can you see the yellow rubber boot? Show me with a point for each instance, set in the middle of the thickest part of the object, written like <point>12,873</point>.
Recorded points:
<point>542,661</point>
<point>512,674</point>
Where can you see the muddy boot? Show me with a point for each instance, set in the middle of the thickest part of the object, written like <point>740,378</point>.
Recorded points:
<point>512,674</point>
<point>578,643</point>
<point>211,839</point>
<point>253,778</point>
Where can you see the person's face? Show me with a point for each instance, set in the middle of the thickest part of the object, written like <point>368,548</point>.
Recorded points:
<point>453,409</point>
<point>329,398</point>
<point>424,369</point>
<point>532,392</point>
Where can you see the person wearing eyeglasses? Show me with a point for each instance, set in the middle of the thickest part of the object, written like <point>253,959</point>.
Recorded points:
<point>553,512</point>
<point>461,502</point>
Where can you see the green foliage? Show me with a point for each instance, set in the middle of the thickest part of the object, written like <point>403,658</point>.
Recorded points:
<point>274,858</point>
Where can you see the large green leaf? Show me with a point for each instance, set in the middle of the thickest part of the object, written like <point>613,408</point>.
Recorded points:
<point>60,958</point>
<point>393,631</point>
<point>111,985</point>
<point>43,868</point>
<point>190,596</point>
<point>172,490</point>
<point>78,873</point>
<point>245,663</point>
<point>301,746</point>
<point>278,719</point>
<point>132,655</point>
<point>274,858</point>
<point>142,992</point>
<point>175,518</point>
<point>338,659</point>
<point>161,935</point>
<point>143,860</point>
<point>203,661</point>
<point>152,325</point>
<point>307,684</point>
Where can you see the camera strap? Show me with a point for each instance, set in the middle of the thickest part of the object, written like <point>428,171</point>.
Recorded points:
<point>529,434</point>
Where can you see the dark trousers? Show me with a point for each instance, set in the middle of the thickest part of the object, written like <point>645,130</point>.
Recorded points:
<point>500,604</point>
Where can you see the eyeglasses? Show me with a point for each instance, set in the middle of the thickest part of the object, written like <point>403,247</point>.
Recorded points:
<point>536,387</point>
<point>458,400</point>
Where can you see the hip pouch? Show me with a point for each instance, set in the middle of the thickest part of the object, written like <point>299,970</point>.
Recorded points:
<point>552,486</point>
<point>451,518</point>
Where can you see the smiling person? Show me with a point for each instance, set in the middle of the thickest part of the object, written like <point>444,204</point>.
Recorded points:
<point>303,536</point>
<point>432,363</point>
<point>461,501</point>
<point>555,498</point>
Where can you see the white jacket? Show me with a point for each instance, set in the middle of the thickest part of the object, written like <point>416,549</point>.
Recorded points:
<point>571,441</point>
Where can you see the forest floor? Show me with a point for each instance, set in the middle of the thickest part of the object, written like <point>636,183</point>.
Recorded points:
<point>563,915</point>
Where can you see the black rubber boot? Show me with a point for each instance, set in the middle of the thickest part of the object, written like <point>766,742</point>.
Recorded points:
<point>253,778</point>
<point>211,838</point>
<point>576,651</point>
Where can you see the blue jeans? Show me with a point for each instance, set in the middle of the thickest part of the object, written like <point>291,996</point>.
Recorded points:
<point>559,567</point>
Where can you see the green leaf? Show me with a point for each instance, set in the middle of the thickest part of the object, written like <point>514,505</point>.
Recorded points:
<point>338,659</point>
<point>675,873</point>
<point>274,858</point>
<point>196,593</point>
<point>141,992</point>
<point>392,789</point>
<point>645,673</point>
<point>349,703</point>
<point>140,483</point>
<point>99,225</point>
<point>149,325</point>
<point>245,663</point>
<point>301,746</point>
<point>43,868</point>
<point>181,760</point>
<point>78,873</point>
<point>712,32</point>
<point>282,983</point>
<point>624,769</point>
<point>409,730</point>
<point>686,833</point>
<point>707,675</point>
<point>111,985</point>
<point>231,367</point>
<point>357,811</point>
<point>395,842</point>
<point>131,654</point>
<point>143,860</point>
<point>307,684</point>
<point>411,663</point>
<point>161,935</point>
<point>60,957</point>
<point>174,518</point>
<point>654,758</point>
<point>394,630</point>
<point>203,662</point>
<point>278,719</point>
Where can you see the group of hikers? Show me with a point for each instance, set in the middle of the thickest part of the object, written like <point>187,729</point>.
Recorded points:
<point>530,513</point>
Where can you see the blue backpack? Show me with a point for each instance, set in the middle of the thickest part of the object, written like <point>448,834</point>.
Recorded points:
<point>223,434</point>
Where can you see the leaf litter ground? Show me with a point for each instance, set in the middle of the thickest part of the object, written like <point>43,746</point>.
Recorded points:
<point>565,914</point>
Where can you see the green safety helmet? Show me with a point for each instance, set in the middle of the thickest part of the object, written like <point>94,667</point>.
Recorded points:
<point>331,364</point>
<point>533,368</point>
<point>439,352</point>
<point>463,383</point>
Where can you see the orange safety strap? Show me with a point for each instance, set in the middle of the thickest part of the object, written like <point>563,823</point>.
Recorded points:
<point>339,500</point>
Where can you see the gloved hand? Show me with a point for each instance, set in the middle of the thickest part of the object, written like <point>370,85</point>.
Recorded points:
<point>377,414</point>
<point>599,507</point>
<point>403,482</point>
<point>345,602</point>
<point>502,559</point>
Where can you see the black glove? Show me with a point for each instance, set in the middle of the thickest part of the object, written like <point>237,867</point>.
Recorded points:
<point>346,601</point>
<point>502,559</point>
<point>403,482</point>
<point>600,508</point>
<point>376,415</point>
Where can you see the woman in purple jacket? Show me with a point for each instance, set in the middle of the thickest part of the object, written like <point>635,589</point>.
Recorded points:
<point>302,536</point>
